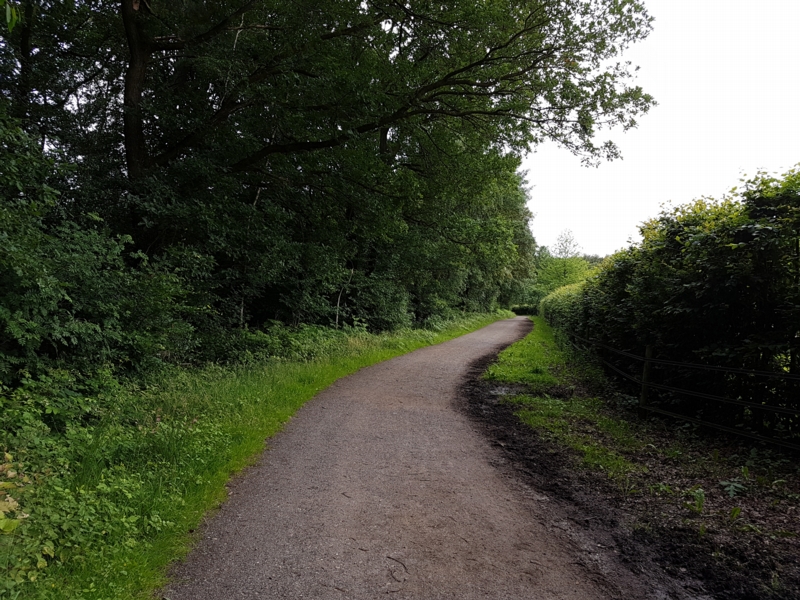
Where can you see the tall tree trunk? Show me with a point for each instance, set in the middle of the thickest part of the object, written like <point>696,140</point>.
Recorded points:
<point>133,123</point>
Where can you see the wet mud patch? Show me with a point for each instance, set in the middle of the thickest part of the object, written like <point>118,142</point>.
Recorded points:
<point>635,536</point>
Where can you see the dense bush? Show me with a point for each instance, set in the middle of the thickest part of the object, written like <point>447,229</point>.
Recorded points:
<point>712,282</point>
<point>71,293</point>
<point>563,308</point>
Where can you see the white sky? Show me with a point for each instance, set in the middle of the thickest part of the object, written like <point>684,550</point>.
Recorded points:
<point>726,75</point>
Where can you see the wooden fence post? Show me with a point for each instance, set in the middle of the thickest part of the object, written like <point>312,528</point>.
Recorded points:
<point>648,354</point>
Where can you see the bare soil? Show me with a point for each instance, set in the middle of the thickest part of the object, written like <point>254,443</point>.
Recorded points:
<point>383,484</point>
<point>754,557</point>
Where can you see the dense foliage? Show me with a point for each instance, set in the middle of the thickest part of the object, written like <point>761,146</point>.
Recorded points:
<point>184,182</point>
<point>554,269</point>
<point>562,308</point>
<point>195,170</point>
<point>714,283</point>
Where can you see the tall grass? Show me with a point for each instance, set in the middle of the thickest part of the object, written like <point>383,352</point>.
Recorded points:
<point>112,500</point>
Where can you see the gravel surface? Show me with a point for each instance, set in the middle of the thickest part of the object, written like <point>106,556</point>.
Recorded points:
<point>381,485</point>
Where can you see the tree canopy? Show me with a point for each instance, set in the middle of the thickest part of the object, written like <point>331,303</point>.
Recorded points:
<point>327,162</point>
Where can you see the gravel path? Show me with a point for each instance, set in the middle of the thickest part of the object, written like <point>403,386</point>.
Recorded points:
<point>381,486</point>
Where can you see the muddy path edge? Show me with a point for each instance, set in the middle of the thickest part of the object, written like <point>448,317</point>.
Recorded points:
<point>380,486</point>
<point>582,503</point>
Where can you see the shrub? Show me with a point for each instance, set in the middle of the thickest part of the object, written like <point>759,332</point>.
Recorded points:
<point>712,282</point>
<point>564,308</point>
<point>70,294</point>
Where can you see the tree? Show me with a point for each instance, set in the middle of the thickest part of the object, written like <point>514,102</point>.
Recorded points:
<point>555,269</point>
<point>566,246</point>
<point>298,161</point>
<point>284,78</point>
<point>594,260</point>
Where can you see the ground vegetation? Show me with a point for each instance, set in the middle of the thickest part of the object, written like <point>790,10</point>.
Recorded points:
<point>100,492</point>
<point>710,511</point>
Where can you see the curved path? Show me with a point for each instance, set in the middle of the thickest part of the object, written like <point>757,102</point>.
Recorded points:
<point>381,486</point>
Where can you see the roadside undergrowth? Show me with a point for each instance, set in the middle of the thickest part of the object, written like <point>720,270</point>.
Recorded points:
<point>97,507</point>
<point>556,402</point>
<point>716,506</point>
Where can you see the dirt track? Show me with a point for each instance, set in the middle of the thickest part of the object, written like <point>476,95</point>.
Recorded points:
<point>380,485</point>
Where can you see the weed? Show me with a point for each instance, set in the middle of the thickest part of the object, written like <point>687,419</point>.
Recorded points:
<point>673,453</point>
<point>749,527</point>
<point>775,582</point>
<point>697,500</point>
<point>734,514</point>
<point>628,487</point>
<point>661,489</point>
<point>733,487</point>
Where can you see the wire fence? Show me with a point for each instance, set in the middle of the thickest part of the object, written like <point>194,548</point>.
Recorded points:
<point>646,384</point>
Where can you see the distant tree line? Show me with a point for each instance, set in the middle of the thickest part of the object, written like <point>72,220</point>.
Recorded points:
<point>554,268</point>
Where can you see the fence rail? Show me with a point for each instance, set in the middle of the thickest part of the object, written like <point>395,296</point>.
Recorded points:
<point>675,363</point>
<point>646,385</point>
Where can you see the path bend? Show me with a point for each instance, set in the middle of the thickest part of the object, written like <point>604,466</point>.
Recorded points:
<point>379,485</point>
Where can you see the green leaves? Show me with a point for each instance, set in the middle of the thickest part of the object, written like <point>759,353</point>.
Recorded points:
<point>563,307</point>
<point>12,13</point>
<point>697,501</point>
<point>712,282</point>
<point>733,488</point>
<point>306,162</point>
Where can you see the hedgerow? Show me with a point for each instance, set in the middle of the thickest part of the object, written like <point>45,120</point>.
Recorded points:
<point>563,308</point>
<point>712,283</point>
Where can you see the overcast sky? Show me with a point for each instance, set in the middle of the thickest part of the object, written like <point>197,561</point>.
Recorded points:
<point>726,75</point>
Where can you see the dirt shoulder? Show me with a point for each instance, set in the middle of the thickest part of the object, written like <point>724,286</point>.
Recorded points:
<point>651,523</point>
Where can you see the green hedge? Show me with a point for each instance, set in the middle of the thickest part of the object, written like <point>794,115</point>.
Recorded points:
<point>564,307</point>
<point>712,282</point>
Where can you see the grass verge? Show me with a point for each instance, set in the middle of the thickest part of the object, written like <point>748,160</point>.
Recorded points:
<point>555,402</point>
<point>103,505</point>
<point>715,506</point>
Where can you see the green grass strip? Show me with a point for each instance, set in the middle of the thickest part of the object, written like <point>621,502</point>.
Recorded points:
<point>146,476</point>
<point>552,408</point>
<point>530,360</point>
